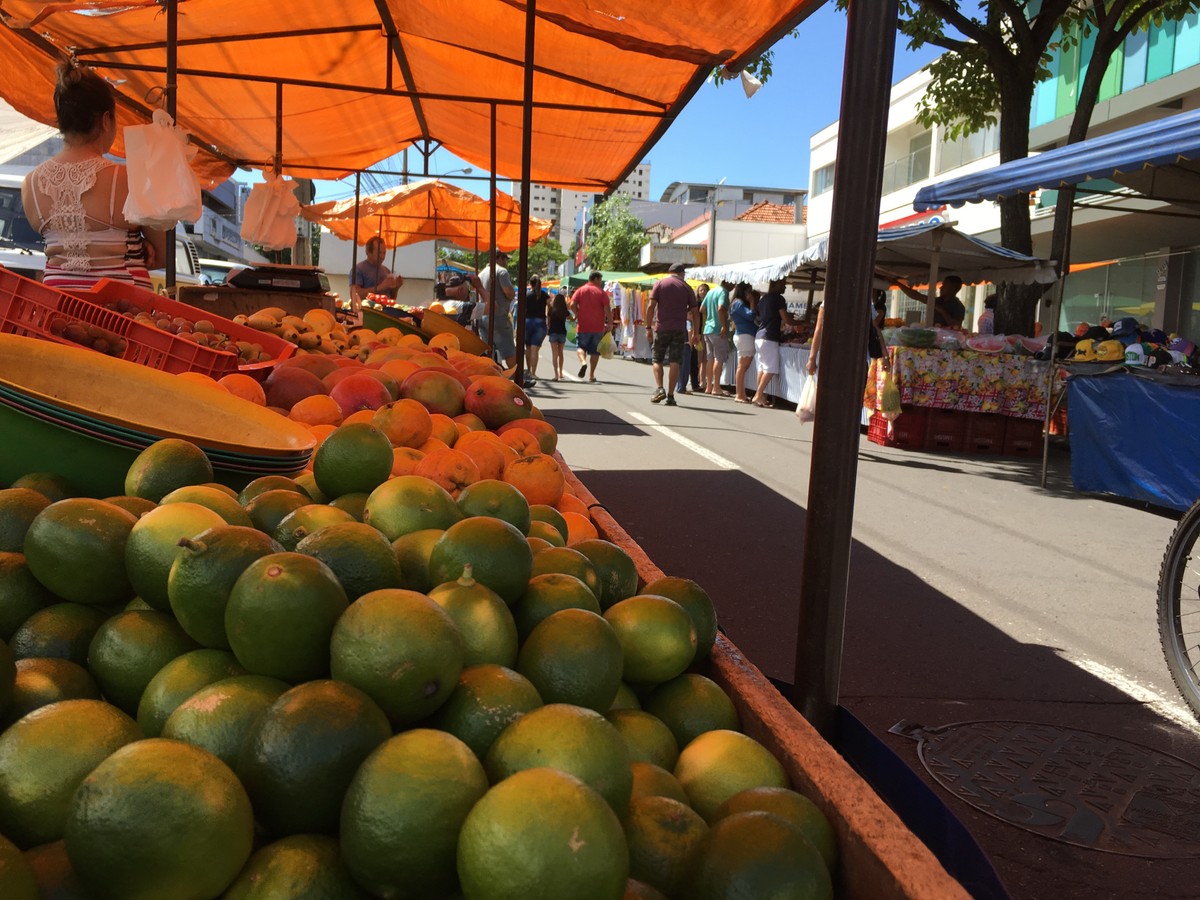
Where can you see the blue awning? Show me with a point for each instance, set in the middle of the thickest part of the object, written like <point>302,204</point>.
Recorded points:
<point>1160,160</point>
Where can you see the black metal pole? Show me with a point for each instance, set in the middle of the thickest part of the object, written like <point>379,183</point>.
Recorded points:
<point>172,110</point>
<point>354,244</point>
<point>825,568</point>
<point>492,263</point>
<point>526,163</point>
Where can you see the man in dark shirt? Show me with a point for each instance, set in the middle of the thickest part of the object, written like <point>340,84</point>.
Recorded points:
<point>772,316</point>
<point>948,310</point>
<point>672,304</point>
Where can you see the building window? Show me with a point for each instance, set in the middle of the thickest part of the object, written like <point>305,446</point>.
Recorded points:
<point>911,168</point>
<point>823,180</point>
<point>962,150</point>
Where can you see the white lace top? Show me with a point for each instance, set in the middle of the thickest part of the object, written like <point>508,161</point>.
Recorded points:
<point>66,224</point>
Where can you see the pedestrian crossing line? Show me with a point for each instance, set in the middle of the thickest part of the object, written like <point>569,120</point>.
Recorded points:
<point>715,458</point>
<point>1166,707</point>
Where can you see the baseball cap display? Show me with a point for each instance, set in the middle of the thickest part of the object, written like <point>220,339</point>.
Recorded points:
<point>1085,351</point>
<point>1110,351</point>
<point>1157,356</point>
<point>1182,345</point>
<point>1126,330</point>
<point>1135,355</point>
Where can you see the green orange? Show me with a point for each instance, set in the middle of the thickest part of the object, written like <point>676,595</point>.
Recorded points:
<point>410,503</point>
<point>568,561</point>
<point>657,638</point>
<point>76,548</point>
<point>59,631</point>
<point>492,497</point>
<point>17,881</point>
<point>18,508</point>
<point>486,700</point>
<point>699,606</point>
<point>573,656</point>
<point>21,595</point>
<point>218,717</point>
<point>265,483</point>
<point>616,569</point>
<point>495,550</point>
<point>177,681</point>
<point>690,705</point>
<point>212,498</point>
<point>645,736</point>
<point>302,865</point>
<point>483,619</point>
<point>154,544</point>
<point>403,812</point>
<point>50,485</point>
<point>358,555</point>
<point>268,509</point>
<point>413,551</point>
<point>164,466</point>
<point>41,681</point>
<point>355,458</point>
<point>306,520</point>
<point>664,836</point>
<point>789,805</point>
<point>128,650</point>
<point>719,764</point>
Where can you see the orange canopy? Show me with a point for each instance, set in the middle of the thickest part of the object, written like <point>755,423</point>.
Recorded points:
<point>356,81</point>
<point>426,211</point>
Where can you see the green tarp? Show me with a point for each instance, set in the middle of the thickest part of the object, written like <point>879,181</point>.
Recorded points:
<point>580,278</point>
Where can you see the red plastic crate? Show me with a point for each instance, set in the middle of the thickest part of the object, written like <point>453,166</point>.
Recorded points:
<point>108,291</point>
<point>28,307</point>
<point>985,433</point>
<point>946,431</point>
<point>908,429</point>
<point>1024,438</point>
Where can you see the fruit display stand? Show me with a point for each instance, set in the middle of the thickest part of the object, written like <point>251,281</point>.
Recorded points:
<point>377,321</point>
<point>227,301</point>
<point>879,856</point>
<point>433,323</point>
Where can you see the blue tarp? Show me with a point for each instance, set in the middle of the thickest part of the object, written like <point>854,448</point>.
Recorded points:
<point>1168,142</point>
<point>1135,437</point>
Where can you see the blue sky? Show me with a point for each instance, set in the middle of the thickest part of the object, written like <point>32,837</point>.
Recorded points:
<point>760,141</point>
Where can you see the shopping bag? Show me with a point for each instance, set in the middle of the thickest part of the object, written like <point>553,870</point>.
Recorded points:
<point>163,189</point>
<point>269,218</point>
<point>606,345</point>
<point>806,410</point>
<point>889,398</point>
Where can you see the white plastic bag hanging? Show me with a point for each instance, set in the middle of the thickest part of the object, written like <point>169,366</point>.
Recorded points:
<point>806,410</point>
<point>163,189</point>
<point>269,218</point>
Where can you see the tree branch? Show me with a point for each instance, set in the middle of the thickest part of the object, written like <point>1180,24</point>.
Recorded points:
<point>991,42</point>
<point>1017,16</point>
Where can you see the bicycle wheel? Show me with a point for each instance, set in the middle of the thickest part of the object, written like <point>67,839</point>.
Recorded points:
<point>1179,606</point>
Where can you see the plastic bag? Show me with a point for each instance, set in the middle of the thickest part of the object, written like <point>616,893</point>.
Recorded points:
<point>889,398</point>
<point>269,218</point>
<point>806,410</point>
<point>163,189</point>
<point>606,346</point>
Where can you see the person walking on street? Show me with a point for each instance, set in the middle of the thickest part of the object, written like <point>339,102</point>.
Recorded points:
<point>715,313</point>
<point>593,315</point>
<point>536,299</point>
<point>773,315</point>
<point>503,340</point>
<point>557,314</point>
<point>672,305</point>
<point>744,326</point>
<point>689,363</point>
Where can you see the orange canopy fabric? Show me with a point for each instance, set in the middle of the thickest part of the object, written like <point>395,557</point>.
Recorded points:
<point>426,211</point>
<point>358,80</point>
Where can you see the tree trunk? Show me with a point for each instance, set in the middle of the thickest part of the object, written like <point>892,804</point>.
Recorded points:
<point>1017,303</point>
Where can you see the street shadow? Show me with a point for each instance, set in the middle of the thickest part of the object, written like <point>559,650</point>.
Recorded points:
<point>591,421</point>
<point>910,652</point>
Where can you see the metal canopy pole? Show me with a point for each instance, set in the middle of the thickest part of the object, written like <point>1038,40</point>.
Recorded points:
<point>354,304</point>
<point>526,164</point>
<point>277,168</point>
<point>491,308</point>
<point>824,573</point>
<point>1052,363</point>
<point>931,296</point>
<point>172,110</point>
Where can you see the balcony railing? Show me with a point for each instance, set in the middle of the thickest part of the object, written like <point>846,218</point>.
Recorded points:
<point>906,170</point>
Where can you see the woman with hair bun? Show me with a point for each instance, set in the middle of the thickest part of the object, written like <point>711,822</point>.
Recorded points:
<point>75,200</point>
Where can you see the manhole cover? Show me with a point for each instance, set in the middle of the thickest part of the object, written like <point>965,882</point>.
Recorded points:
<point>1074,786</point>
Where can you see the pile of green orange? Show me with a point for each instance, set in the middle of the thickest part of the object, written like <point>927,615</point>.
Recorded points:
<point>394,692</point>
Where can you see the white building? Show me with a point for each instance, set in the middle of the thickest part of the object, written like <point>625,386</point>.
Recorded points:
<point>1155,260</point>
<point>563,206</point>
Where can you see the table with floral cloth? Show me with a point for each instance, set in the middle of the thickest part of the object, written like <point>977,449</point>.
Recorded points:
<point>965,380</point>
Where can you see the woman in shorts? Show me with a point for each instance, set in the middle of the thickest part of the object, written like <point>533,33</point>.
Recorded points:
<point>535,323</point>
<point>741,312</point>
<point>557,314</point>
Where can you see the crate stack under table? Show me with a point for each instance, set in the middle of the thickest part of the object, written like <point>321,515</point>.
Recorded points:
<point>962,401</point>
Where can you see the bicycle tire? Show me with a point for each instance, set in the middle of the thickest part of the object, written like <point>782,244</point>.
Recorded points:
<point>1179,606</point>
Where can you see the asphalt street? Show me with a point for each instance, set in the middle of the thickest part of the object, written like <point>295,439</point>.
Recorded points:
<point>975,595</point>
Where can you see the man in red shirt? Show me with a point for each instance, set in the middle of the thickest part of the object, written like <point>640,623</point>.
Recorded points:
<point>593,317</point>
<point>672,305</point>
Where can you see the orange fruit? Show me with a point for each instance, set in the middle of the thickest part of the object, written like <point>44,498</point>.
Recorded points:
<point>663,836</point>
<point>411,503</point>
<point>301,865</point>
<point>496,550</point>
<point>550,593</point>
<point>320,432</point>
<point>645,736</point>
<point>756,854</point>
<point>444,428</point>
<point>794,807</point>
<point>245,387</point>
<point>521,441</point>
<point>656,635</point>
<point>363,415</point>
<point>355,458</point>
<point>448,468</point>
<point>483,620</point>
<point>399,369</point>
<point>182,823</point>
<point>18,508</point>
<point>471,420</point>
<point>488,457</point>
<point>486,700</point>
<point>568,562</point>
<point>488,497</point>
<point>573,846</point>
<point>691,705</point>
<point>568,502</point>
<point>403,811</point>
<point>405,422</point>
<point>538,477</point>
<point>199,378</point>
<point>433,444</point>
<point>165,465</point>
<point>404,460</point>
<point>579,528</point>
<point>650,780</point>
<point>619,575</point>
<point>572,739</point>
<point>76,549</point>
<point>691,597</point>
<point>546,434</point>
<point>318,409</point>
<point>573,656</point>
<point>719,764</point>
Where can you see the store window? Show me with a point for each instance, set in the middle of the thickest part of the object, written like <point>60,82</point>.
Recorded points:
<point>968,148</point>
<point>823,180</point>
<point>1125,288</point>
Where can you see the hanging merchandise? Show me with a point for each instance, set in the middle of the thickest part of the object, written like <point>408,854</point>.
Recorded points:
<point>889,398</point>
<point>163,190</point>
<point>270,215</point>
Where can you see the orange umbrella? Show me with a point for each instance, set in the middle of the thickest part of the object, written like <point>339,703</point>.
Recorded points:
<point>426,211</point>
